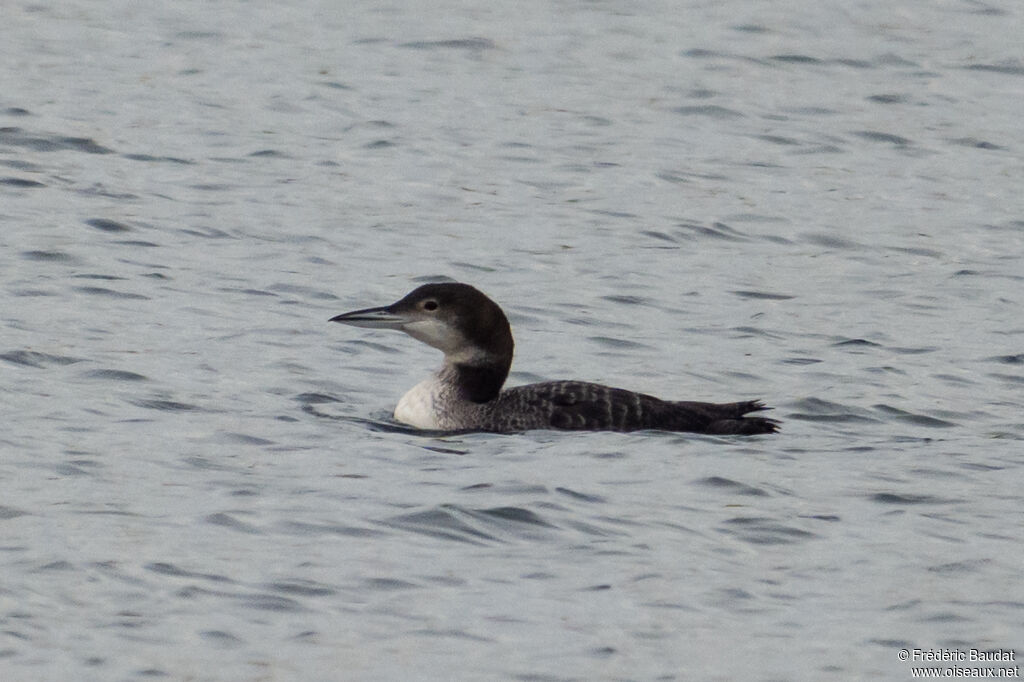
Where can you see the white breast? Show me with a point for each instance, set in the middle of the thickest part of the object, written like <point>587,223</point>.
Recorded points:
<point>419,407</point>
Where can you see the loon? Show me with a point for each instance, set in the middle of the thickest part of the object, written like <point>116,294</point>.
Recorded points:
<point>466,394</point>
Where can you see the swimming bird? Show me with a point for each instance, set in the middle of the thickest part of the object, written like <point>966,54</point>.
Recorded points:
<point>466,393</point>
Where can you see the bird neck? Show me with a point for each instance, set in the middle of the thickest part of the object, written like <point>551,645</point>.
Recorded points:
<point>478,382</point>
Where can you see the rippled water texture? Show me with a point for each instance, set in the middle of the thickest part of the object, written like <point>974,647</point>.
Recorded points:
<point>815,204</point>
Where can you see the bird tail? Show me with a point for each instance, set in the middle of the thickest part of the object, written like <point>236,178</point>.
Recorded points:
<point>731,419</point>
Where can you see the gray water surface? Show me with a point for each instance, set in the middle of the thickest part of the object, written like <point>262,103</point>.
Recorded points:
<point>816,204</point>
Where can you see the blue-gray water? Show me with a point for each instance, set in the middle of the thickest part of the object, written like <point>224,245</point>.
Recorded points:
<point>817,204</point>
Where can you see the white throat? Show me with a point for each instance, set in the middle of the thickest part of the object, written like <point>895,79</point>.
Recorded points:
<point>420,406</point>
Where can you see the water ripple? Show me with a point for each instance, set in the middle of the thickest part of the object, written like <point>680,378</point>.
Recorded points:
<point>23,183</point>
<point>16,137</point>
<point>114,375</point>
<point>733,487</point>
<point>907,498</point>
<point>107,225</point>
<point>765,531</point>
<point>30,358</point>
<point>474,526</point>
<point>451,44</point>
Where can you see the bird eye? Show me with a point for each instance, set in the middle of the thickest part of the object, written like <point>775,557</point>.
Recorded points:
<point>430,305</point>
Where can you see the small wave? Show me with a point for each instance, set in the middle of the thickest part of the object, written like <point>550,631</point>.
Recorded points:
<point>29,358</point>
<point>764,531</point>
